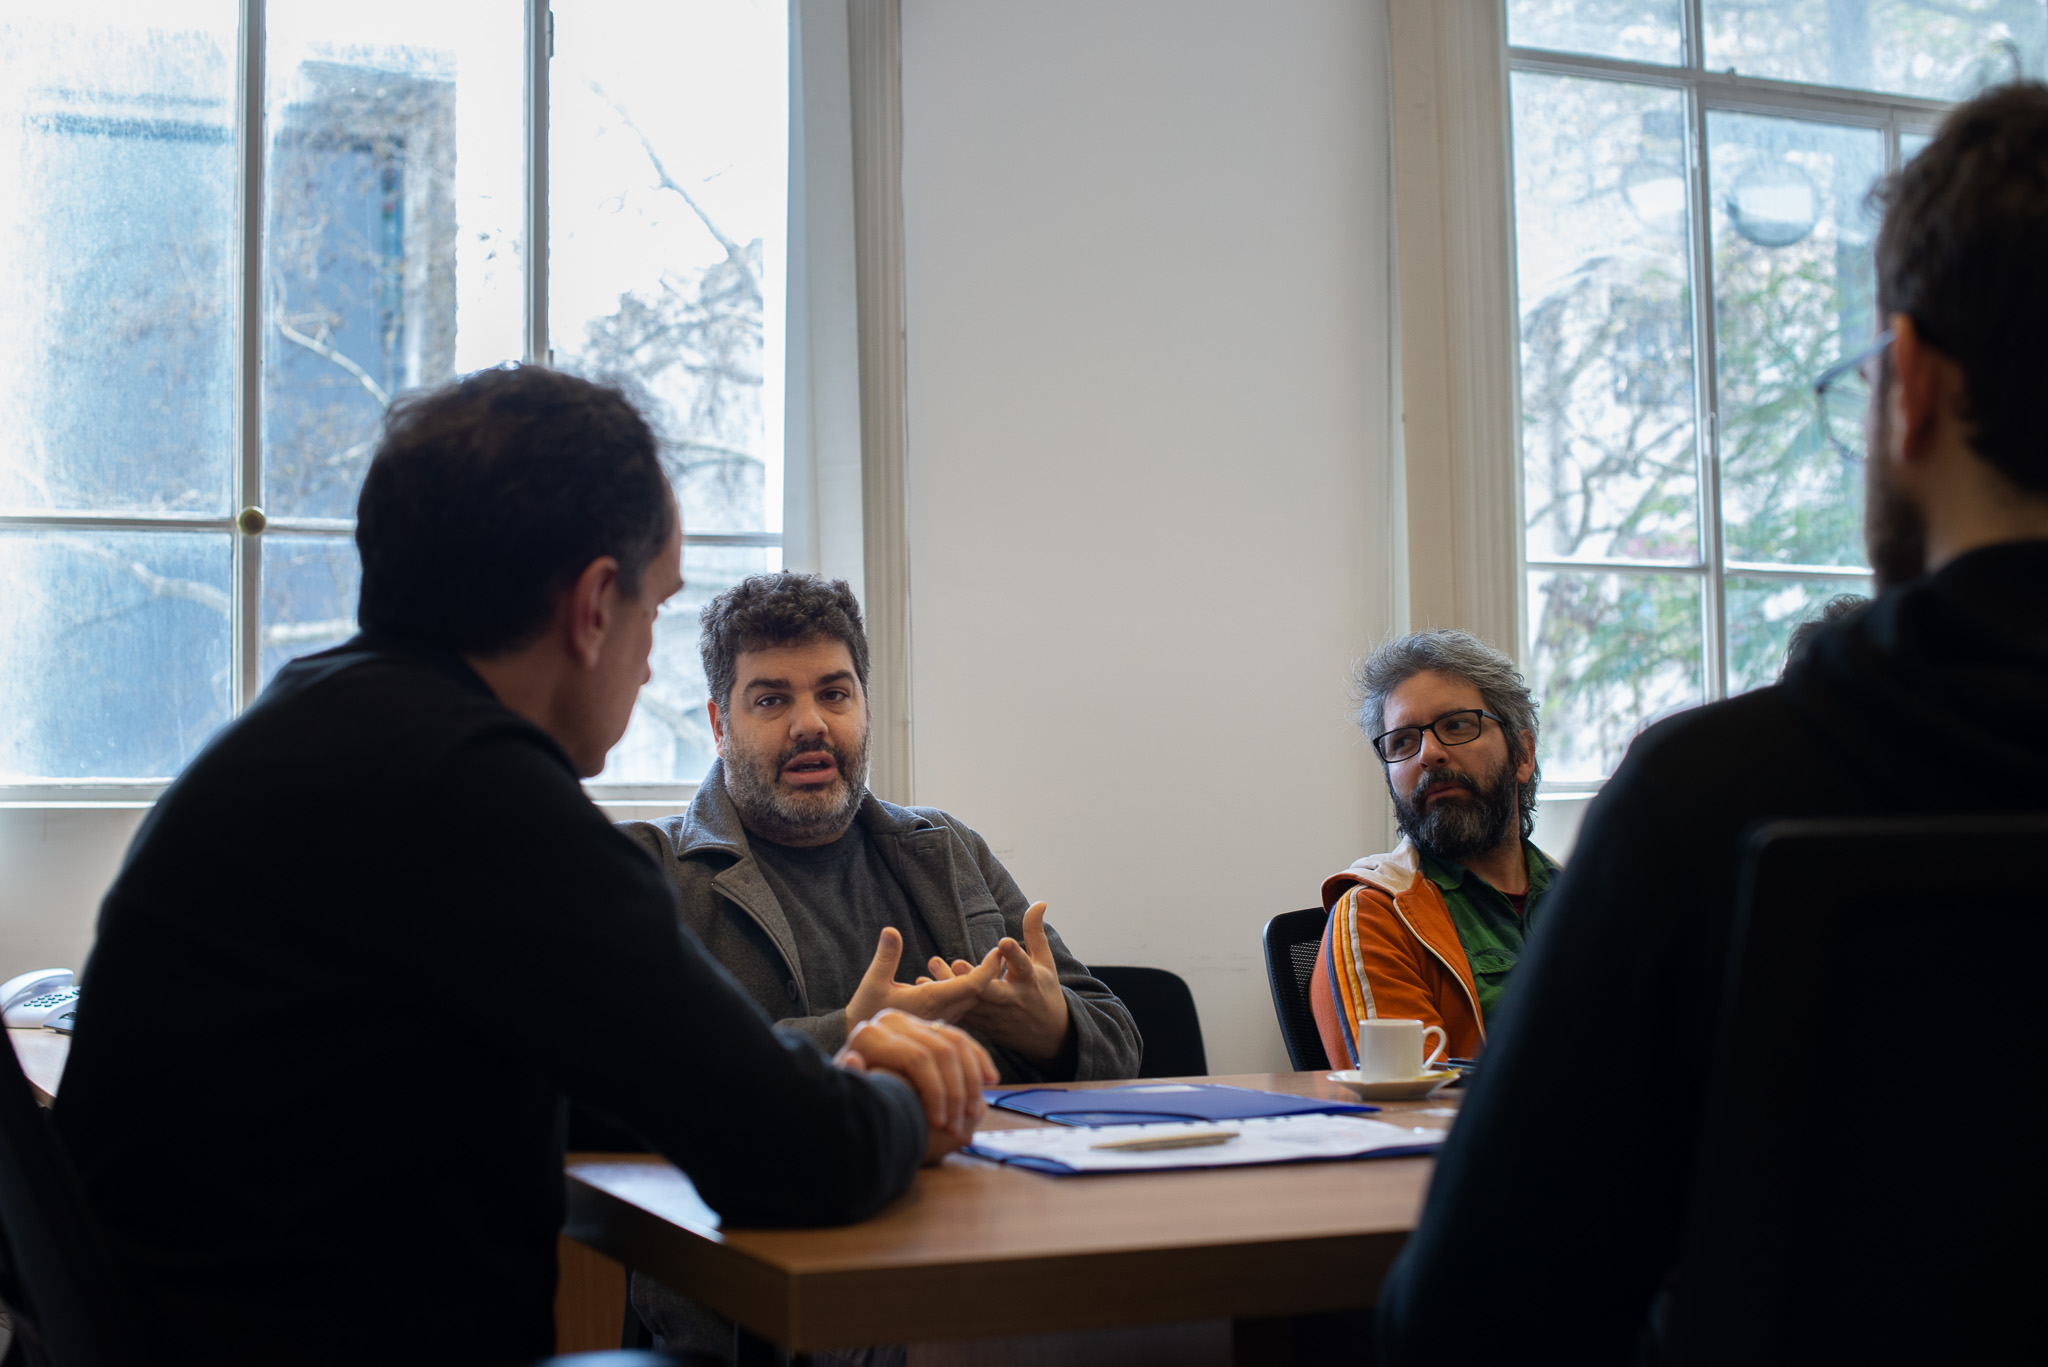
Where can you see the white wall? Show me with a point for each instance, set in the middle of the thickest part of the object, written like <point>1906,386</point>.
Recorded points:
<point>1149,441</point>
<point>55,865</point>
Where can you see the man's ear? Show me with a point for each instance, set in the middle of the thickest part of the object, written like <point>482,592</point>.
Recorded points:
<point>593,603</point>
<point>1525,767</point>
<point>1924,390</point>
<point>717,725</point>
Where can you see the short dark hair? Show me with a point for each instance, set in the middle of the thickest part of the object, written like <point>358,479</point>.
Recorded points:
<point>780,609</point>
<point>1461,655</point>
<point>1964,253</point>
<point>488,496</point>
<point>1838,608</point>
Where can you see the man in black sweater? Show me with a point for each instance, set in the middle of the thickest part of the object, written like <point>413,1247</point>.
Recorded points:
<point>375,933</point>
<point>1546,1242</point>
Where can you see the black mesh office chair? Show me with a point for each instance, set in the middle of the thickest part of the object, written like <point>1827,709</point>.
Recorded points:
<point>1870,1186</point>
<point>1291,939</point>
<point>1164,1010</point>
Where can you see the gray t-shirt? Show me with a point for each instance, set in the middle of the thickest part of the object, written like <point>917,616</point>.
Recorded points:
<point>837,898</point>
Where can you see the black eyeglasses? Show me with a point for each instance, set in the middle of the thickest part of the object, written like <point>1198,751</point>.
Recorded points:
<point>1452,728</point>
<point>1843,395</point>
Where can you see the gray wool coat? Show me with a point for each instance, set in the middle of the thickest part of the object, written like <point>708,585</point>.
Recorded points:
<point>967,899</point>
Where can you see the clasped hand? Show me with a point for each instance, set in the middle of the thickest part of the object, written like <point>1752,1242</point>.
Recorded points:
<point>944,1066</point>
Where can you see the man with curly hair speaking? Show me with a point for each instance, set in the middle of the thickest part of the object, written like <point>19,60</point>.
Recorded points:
<point>828,904</point>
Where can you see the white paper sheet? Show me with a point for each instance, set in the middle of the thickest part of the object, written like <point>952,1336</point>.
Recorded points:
<point>1274,1139</point>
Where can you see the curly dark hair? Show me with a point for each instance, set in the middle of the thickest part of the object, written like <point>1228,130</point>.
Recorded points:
<point>488,496</point>
<point>780,609</point>
<point>1839,608</point>
<point>1964,253</point>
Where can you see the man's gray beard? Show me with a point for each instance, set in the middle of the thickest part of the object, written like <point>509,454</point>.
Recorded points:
<point>774,815</point>
<point>1459,830</point>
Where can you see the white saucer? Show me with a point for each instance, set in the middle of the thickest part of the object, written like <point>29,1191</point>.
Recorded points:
<point>1393,1089</point>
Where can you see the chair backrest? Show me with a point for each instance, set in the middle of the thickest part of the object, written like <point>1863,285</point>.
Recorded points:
<point>59,1283</point>
<point>1870,1183</point>
<point>1292,939</point>
<point>1164,1010</point>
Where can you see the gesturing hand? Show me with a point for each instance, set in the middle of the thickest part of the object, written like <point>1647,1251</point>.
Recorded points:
<point>940,1001</point>
<point>944,1066</point>
<point>1022,1006</point>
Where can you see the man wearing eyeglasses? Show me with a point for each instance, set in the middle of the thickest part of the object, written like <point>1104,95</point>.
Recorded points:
<point>1431,931</point>
<point>1928,700</point>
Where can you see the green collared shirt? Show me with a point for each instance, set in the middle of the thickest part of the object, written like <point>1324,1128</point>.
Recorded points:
<point>1488,928</point>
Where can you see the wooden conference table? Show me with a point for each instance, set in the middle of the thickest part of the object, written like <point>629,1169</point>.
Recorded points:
<point>976,1251</point>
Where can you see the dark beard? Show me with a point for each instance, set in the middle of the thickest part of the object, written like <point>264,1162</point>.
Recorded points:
<point>1894,530</point>
<point>792,818</point>
<point>1459,828</point>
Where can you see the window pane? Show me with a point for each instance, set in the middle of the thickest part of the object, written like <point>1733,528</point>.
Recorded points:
<point>1912,145</point>
<point>114,656</point>
<point>1640,30</point>
<point>117,217</point>
<point>392,225</point>
<point>669,738</point>
<point>1607,382</point>
<point>1793,294</point>
<point>1609,653</point>
<point>1761,615</point>
<point>669,171</point>
<point>310,585</point>
<point>1943,50</point>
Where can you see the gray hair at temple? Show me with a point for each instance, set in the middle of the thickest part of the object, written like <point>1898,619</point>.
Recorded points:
<point>1461,655</point>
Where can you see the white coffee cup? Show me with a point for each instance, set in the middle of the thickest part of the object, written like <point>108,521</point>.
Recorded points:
<point>1391,1050</point>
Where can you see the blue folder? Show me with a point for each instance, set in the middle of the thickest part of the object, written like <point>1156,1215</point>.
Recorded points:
<point>1155,1102</point>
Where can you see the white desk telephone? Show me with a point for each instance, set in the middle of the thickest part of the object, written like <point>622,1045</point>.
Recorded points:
<point>45,996</point>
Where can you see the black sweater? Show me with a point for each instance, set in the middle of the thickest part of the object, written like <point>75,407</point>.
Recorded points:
<point>358,954</point>
<point>1544,1240</point>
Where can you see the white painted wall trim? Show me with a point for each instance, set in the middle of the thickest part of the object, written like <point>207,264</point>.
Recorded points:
<point>874,40</point>
<point>821,516</point>
<point>1460,333</point>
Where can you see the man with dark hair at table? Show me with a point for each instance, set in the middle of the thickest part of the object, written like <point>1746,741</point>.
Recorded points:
<point>1431,930</point>
<point>829,904</point>
<point>1928,700</point>
<point>375,932</point>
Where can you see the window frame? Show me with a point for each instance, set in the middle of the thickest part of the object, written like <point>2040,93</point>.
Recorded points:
<point>1703,91</point>
<point>248,523</point>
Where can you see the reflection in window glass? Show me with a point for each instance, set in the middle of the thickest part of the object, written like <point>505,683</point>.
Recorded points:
<point>1607,383</point>
<point>1940,49</point>
<point>669,738</point>
<point>1762,613</point>
<point>669,170</point>
<point>114,651</point>
<point>394,214</point>
<point>1608,654</point>
<point>117,218</point>
<point>310,586</point>
<point>1793,294</point>
<point>1637,30</point>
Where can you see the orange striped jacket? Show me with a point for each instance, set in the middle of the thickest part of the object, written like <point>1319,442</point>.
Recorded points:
<point>1390,949</point>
